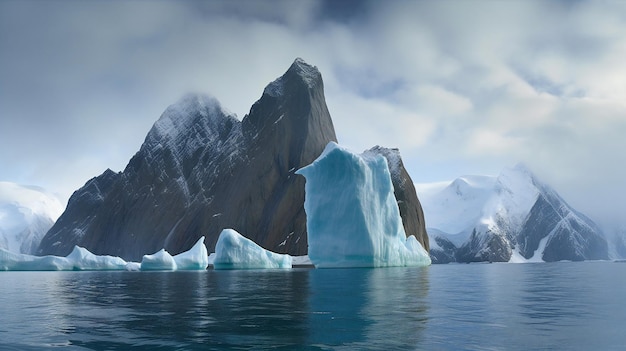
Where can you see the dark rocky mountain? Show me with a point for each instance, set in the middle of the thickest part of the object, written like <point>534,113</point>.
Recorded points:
<point>444,250</point>
<point>512,217</point>
<point>200,170</point>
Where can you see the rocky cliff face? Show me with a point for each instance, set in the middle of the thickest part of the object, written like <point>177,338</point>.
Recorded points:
<point>200,170</point>
<point>510,217</point>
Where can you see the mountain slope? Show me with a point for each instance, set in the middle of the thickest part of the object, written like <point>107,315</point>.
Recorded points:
<point>26,214</point>
<point>510,217</point>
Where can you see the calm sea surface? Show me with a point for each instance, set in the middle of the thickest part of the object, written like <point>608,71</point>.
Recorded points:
<point>551,306</point>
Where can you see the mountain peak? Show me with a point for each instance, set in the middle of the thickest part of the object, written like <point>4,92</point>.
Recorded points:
<point>183,113</point>
<point>523,168</point>
<point>309,73</point>
<point>184,126</point>
<point>300,70</point>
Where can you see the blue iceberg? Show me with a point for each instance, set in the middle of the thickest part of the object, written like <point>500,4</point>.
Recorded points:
<point>234,251</point>
<point>353,219</point>
<point>196,258</point>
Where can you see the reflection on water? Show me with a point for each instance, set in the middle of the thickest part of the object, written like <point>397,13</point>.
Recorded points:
<point>574,306</point>
<point>310,309</point>
<point>368,308</point>
<point>554,306</point>
<point>184,310</point>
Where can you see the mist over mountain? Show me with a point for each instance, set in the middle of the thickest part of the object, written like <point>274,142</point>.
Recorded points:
<point>26,214</point>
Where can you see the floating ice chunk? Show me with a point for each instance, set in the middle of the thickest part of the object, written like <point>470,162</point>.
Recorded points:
<point>83,260</point>
<point>234,251</point>
<point>80,259</point>
<point>159,261</point>
<point>10,261</point>
<point>196,258</point>
<point>353,219</point>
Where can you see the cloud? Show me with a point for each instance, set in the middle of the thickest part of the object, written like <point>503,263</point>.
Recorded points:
<point>459,87</point>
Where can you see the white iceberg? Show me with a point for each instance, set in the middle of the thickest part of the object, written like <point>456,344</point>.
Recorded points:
<point>196,258</point>
<point>158,261</point>
<point>234,251</point>
<point>11,261</point>
<point>80,259</point>
<point>353,219</point>
<point>83,260</point>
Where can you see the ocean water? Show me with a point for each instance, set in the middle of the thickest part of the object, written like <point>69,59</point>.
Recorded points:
<point>550,306</point>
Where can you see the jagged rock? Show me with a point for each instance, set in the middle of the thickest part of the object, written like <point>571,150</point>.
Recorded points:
<point>442,250</point>
<point>488,247</point>
<point>200,171</point>
<point>569,235</point>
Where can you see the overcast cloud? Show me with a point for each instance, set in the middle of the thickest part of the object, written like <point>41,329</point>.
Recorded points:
<point>461,87</point>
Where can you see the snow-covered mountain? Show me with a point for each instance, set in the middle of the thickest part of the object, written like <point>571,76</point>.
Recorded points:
<point>511,217</point>
<point>26,214</point>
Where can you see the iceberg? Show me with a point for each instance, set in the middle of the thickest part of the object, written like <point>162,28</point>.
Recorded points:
<point>158,261</point>
<point>80,259</point>
<point>11,261</point>
<point>196,258</point>
<point>83,260</point>
<point>234,251</point>
<point>353,219</point>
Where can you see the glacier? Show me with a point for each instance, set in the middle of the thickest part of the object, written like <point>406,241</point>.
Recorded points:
<point>80,259</point>
<point>234,251</point>
<point>353,219</point>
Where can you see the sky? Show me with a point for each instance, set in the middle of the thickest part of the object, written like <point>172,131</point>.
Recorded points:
<point>460,87</point>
